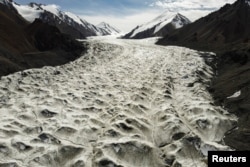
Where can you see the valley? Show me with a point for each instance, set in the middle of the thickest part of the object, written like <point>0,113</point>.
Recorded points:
<point>123,103</point>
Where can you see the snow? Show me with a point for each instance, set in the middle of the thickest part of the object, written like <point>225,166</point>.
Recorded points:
<point>235,95</point>
<point>27,12</point>
<point>161,21</point>
<point>108,28</point>
<point>126,102</point>
<point>74,17</point>
<point>82,22</point>
<point>31,13</point>
<point>52,8</point>
<point>164,18</point>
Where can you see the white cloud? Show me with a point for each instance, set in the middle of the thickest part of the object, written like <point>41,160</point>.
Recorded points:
<point>195,14</point>
<point>191,4</point>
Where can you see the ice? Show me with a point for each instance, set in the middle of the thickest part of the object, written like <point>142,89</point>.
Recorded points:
<point>123,103</point>
<point>235,95</point>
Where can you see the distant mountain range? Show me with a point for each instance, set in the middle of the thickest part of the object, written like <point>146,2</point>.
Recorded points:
<point>160,26</point>
<point>66,22</point>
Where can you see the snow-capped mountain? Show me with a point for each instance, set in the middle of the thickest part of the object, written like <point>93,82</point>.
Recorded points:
<point>108,28</point>
<point>227,26</point>
<point>66,22</point>
<point>160,26</point>
<point>25,45</point>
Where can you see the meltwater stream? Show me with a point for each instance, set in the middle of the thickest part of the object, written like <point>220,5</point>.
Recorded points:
<point>123,104</point>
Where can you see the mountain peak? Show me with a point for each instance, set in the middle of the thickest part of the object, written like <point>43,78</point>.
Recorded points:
<point>102,24</point>
<point>159,26</point>
<point>108,28</point>
<point>219,29</point>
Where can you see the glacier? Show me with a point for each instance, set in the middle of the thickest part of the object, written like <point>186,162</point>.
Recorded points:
<point>123,103</point>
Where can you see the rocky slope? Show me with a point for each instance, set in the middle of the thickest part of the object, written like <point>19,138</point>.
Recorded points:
<point>234,78</point>
<point>160,26</point>
<point>24,45</point>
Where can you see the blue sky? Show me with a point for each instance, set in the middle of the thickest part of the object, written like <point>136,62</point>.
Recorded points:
<point>127,14</point>
<point>92,7</point>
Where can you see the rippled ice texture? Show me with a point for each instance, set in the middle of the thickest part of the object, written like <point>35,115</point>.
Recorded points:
<point>123,104</point>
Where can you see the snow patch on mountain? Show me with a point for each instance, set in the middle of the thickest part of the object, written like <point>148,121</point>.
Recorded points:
<point>74,17</point>
<point>28,12</point>
<point>32,11</point>
<point>52,8</point>
<point>235,95</point>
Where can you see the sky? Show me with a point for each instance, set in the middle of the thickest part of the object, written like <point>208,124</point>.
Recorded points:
<point>127,14</point>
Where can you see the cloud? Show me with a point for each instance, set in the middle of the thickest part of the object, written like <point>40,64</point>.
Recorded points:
<point>193,9</point>
<point>190,4</point>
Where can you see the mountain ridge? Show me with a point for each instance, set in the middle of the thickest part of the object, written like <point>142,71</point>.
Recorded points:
<point>66,22</point>
<point>159,26</point>
<point>24,45</point>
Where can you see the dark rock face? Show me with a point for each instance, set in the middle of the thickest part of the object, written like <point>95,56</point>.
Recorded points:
<point>24,45</point>
<point>69,26</point>
<point>76,31</point>
<point>225,32</point>
<point>47,37</point>
<point>234,75</point>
